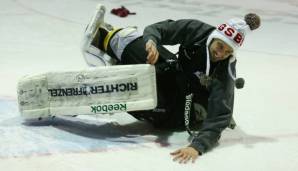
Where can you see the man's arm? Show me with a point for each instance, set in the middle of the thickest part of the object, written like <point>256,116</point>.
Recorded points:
<point>171,32</point>
<point>220,110</point>
<point>219,116</point>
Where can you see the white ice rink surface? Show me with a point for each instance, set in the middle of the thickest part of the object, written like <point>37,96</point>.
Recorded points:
<point>44,35</point>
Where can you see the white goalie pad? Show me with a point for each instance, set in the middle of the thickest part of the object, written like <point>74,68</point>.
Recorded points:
<point>108,89</point>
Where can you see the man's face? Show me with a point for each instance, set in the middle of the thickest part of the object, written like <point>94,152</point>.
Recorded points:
<point>219,50</point>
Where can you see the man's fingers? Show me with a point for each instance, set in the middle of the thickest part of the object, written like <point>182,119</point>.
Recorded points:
<point>179,155</point>
<point>186,160</point>
<point>150,52</point>
<point>156,57</point>
<point>152,56</point>
<point>175,152</point>
<point>149,56</point>
<point>183,157</point>
<point>153,59</point>
<point>194,158</point>
<point>149,45</point>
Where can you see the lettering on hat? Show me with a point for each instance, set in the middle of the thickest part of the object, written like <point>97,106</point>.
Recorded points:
<point>231,33</point>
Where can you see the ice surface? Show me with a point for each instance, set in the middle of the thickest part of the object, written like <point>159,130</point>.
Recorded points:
<point>37,36</point>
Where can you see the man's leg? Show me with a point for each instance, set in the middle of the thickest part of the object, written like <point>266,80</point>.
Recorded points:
<point>165,115</point>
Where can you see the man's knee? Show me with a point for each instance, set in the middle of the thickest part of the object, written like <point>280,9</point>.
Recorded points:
<point>121,39</point>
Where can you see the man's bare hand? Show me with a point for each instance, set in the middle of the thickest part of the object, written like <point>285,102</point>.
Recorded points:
<point>186,154</point>
<point>152,52</point>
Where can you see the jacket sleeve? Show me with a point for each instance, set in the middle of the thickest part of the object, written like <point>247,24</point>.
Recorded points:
<point>220,109</point>
<point>171,32</point>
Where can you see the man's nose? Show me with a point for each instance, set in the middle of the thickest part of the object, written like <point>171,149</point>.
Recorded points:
<point>219,53</point>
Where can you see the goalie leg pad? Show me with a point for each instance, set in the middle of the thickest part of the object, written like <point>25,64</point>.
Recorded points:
<point>111,89</point>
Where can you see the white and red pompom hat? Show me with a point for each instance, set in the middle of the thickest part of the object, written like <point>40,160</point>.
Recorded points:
<point>234,31</point>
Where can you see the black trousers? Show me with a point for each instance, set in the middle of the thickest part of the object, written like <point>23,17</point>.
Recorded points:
<point>170,106</point>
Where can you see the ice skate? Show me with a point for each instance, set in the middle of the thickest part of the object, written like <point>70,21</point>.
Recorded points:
<point>92,44</point>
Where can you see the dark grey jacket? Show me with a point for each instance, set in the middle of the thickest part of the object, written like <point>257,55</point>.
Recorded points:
<point>218,95</point>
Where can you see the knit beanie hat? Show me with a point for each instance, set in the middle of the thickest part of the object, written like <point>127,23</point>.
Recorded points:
<point>234,31</point>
